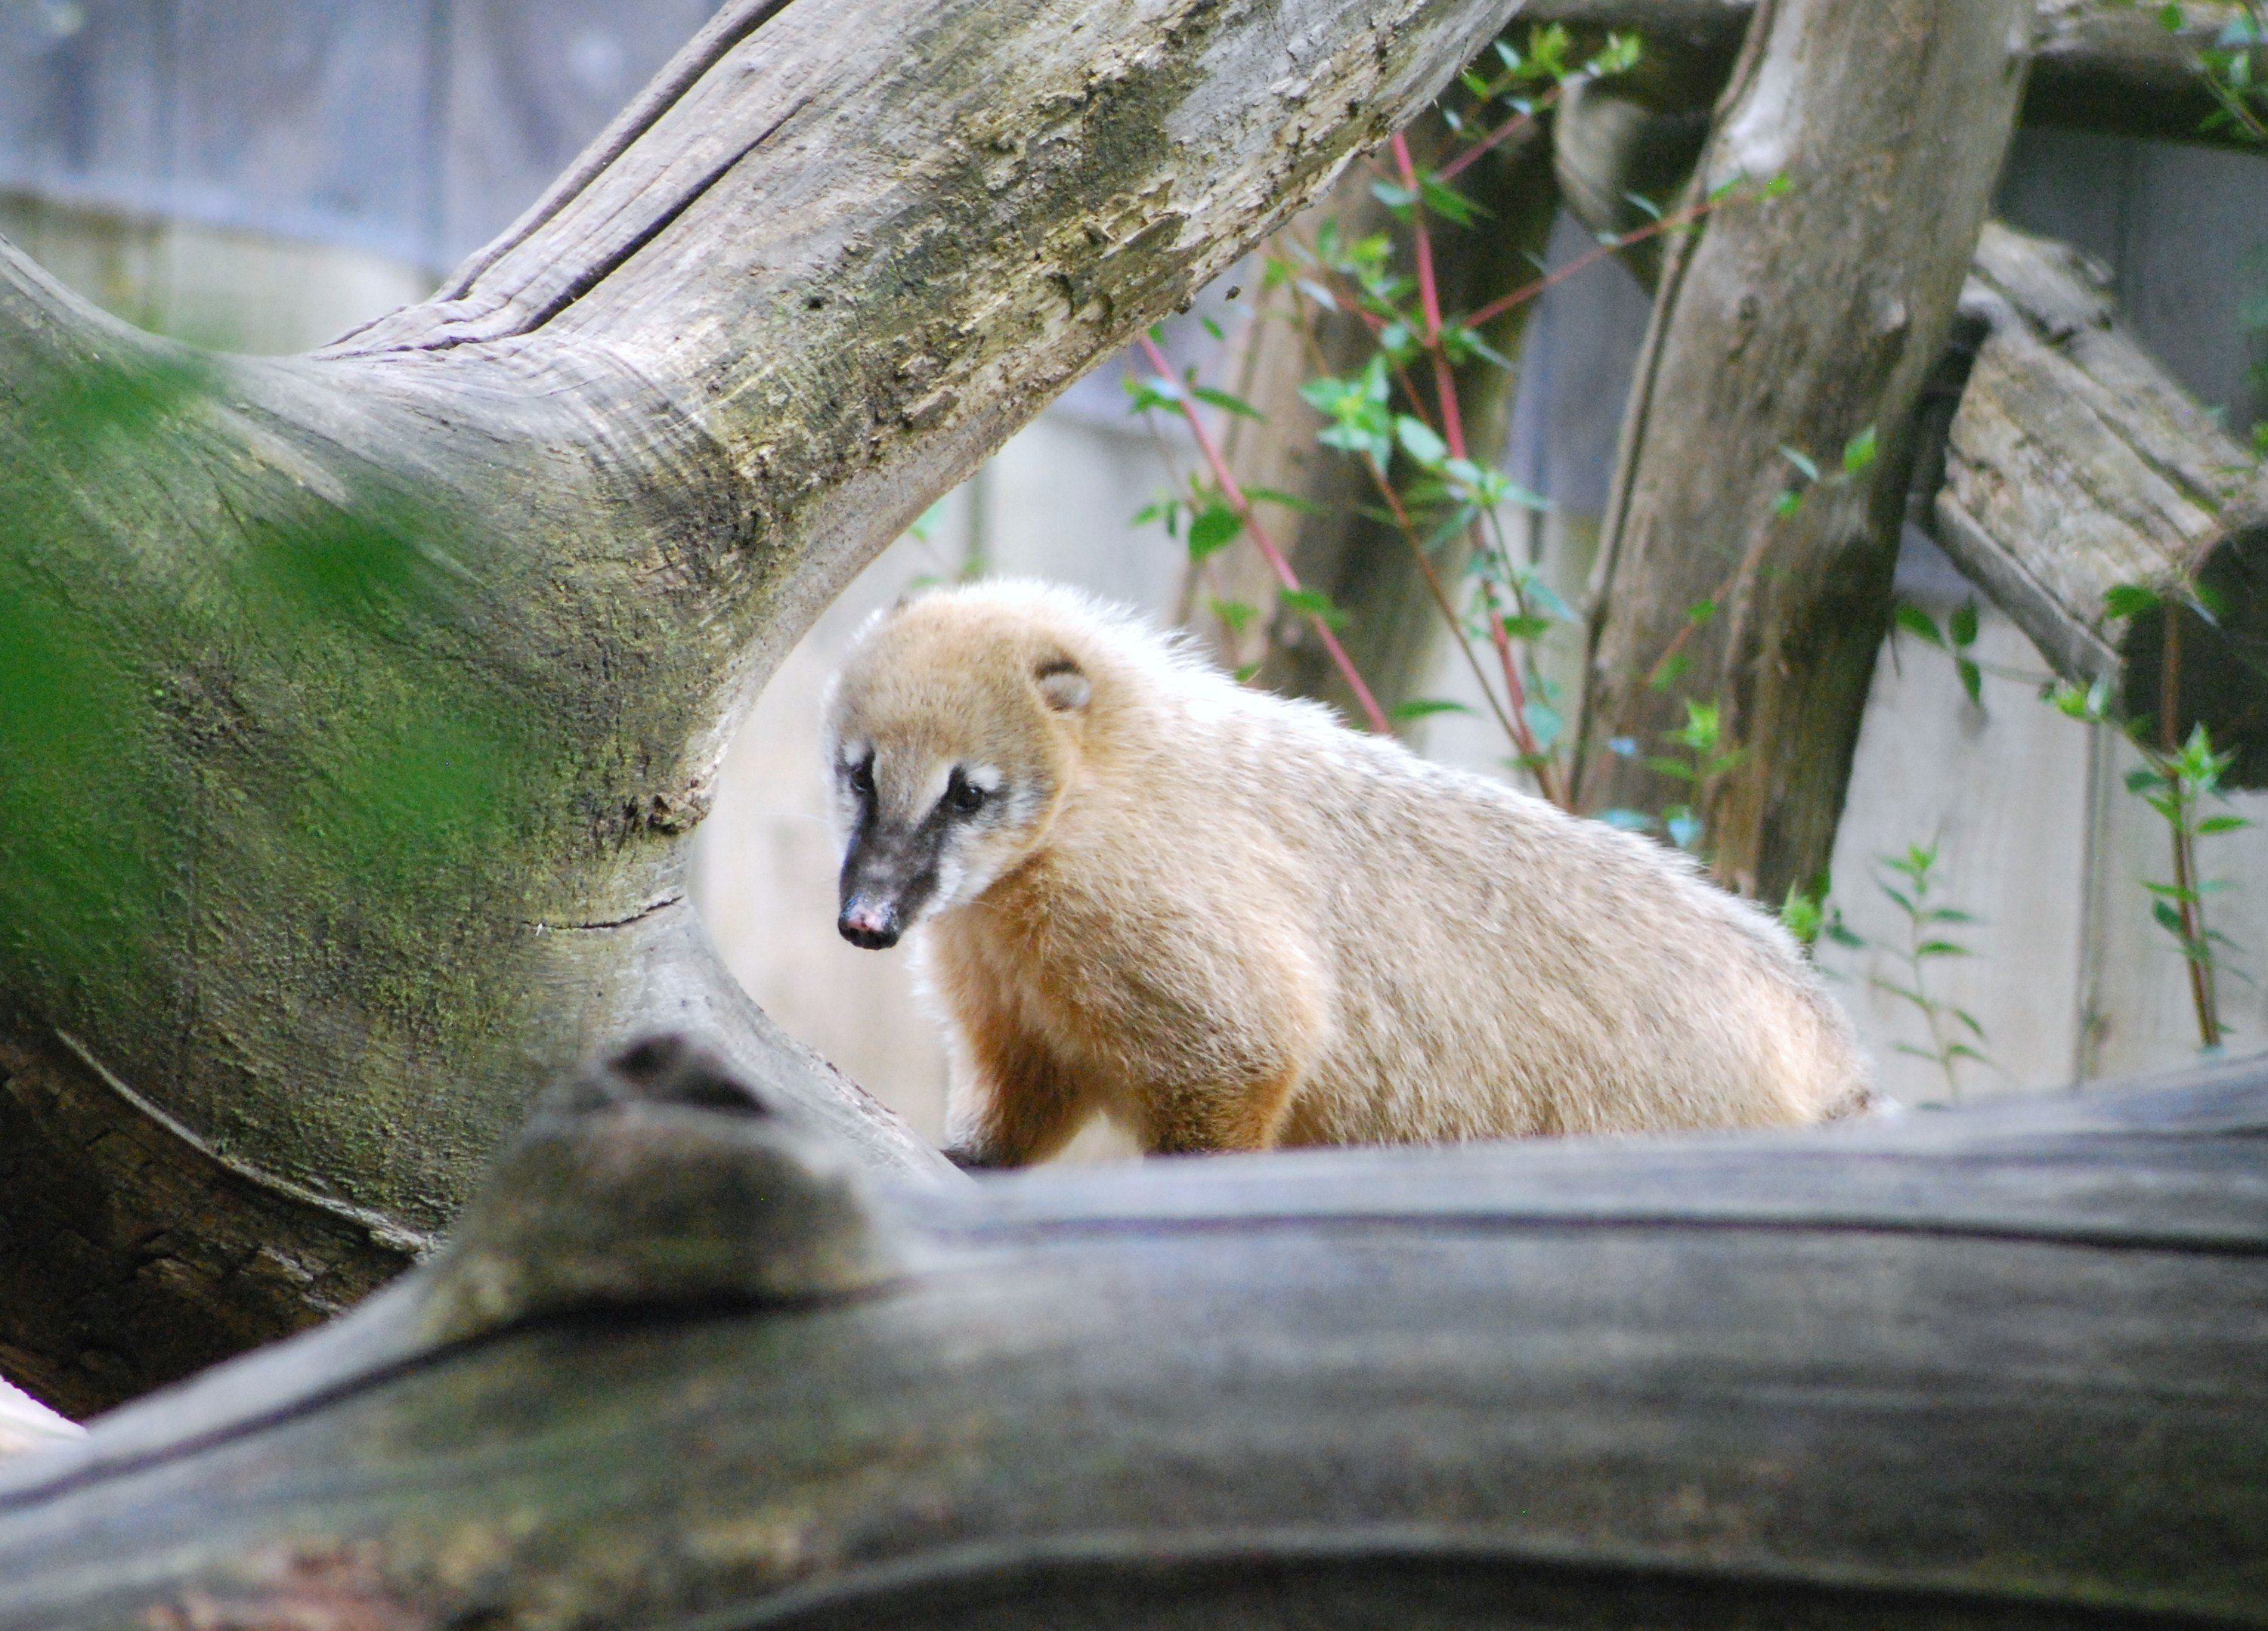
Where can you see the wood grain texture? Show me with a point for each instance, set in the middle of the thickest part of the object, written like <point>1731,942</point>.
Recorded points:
<point>2105,65</point>
<point>1802,321</point>
<point>2077,464</point>
<point>372,696</point>
<point>1996,1368</point>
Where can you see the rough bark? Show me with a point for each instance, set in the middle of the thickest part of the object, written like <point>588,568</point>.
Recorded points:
<point>1395,626</point>
<point>2104,65</point>
<point>1802,321</point>
<point>2077,464</point>
<point>355,709</point>
<point>683,1367</point>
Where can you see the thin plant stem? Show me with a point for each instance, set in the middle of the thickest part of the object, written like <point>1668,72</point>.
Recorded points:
<point>1502,133</point>
<point>1452,433</point>
<point>1652,229</point>
<point>1266,545</point>
<point>2188,899</point>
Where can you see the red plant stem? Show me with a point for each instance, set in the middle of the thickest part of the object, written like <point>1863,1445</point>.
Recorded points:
<point>1528,291</point>
<point>1503,132</point>
<point>1266,545</point>
<point>1428,294</point>
<point>1515,725</point>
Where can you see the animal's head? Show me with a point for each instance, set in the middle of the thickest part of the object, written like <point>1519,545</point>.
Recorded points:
<point>950,732</point>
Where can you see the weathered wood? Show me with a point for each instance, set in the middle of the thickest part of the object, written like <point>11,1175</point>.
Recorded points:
<point>2105,65</point>
<point>2077,464</point>
<point>1806,320</point>
<point>1920,1373</point>
<point>1394,627</point>
<point>354,710</point>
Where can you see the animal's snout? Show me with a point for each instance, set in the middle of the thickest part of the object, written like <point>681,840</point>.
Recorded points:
<point>869,923</point>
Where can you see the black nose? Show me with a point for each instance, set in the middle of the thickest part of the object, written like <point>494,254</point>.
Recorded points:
<point>871,924</point>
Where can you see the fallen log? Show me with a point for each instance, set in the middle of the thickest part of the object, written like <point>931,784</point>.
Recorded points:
<point>2076,466</point>
<point>686,1366</point>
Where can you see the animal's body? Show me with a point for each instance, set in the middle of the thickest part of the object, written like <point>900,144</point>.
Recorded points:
<point>1224,921</point>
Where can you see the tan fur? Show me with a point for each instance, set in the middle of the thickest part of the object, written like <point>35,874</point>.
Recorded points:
<point>1225,922</point>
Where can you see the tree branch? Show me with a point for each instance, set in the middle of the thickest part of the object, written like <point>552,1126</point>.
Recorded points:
<point>1806,322</point>
<point>339,695</point>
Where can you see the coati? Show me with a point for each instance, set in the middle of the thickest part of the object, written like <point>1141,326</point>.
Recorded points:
<point>1224,921</point>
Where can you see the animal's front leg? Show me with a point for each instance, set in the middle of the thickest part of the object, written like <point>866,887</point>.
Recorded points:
<point>1015,1106</point>
<point>1214,1118</point>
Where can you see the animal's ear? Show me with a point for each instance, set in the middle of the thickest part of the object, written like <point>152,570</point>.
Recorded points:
<point>1063,686</point>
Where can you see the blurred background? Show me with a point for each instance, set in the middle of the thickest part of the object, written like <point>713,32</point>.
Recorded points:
<point>262,174</point>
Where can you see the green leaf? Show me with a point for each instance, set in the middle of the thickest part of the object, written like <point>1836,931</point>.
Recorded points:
<point>1226,400</point>
<point>1214,529</point>
<point>1803,462</point>
<point>2168,918</point>
<point>1397,199</point>
<point>1672,670</point>
<point>1544,722</point>
<point>1419,441</point>
<point>1674,768</point>
<point>1424,708</point>
<point>1963,625</point>
<point>1787,503</point>
<point>2131,599</point>
<point>1917,623</point>
<point>1447,202</point>
<point>1525,628</point>
<point>1313,603</point>
<point>1941,949</point>
<point>2211,825</point>
<point>1152,391</point>
<point>1701,611</point>
<point>1972,679</point>
<point>1287,500</point>
<point>1235,616</point>
<point>1639,201</point>
<point>1859,451</point>
<point>2169,18</point>
<point>1245,672</point>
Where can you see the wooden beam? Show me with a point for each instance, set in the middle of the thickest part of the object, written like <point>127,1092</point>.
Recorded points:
<point>2075,465</point>
<point>2109,66</point>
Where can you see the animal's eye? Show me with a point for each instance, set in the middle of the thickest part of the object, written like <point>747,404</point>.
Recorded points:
<point>862,775</point>
<point>967,798</point>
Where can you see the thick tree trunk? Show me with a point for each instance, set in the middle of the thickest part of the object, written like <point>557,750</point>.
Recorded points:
<point>1395,626</point>
<point>1805,320</point>
<point>2077,465</point>
<point>683,1368</point>
<point>354,710</point>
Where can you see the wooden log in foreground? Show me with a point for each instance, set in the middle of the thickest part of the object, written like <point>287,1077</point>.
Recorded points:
<point>1995,1367</point>
<point>2075,465</point>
